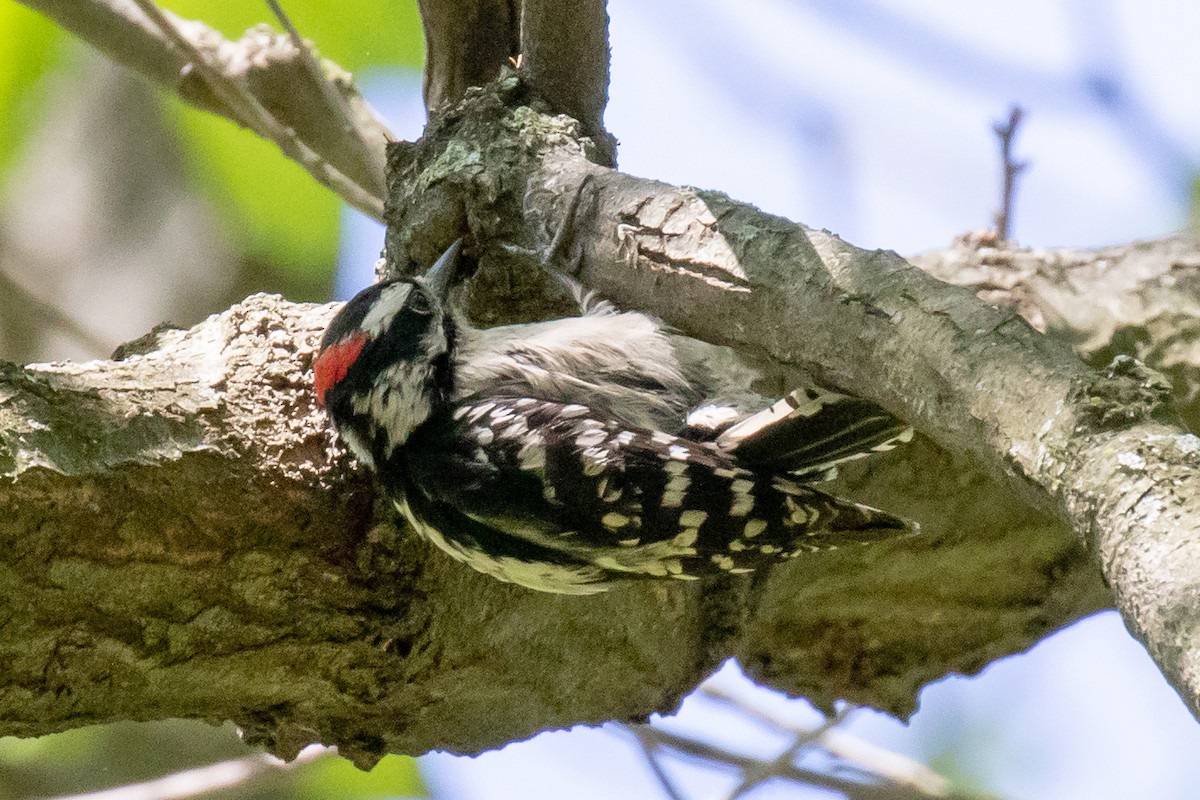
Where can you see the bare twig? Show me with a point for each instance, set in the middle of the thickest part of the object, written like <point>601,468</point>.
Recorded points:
<point>255,115</point>
<point>803,739</point>
<point>650,751</point>
<point>863,756</point>
<point>203,780</point>
<point>372,164</point>
<point>1006,131</point>
<point>175,52</point>
<point>654,737</point>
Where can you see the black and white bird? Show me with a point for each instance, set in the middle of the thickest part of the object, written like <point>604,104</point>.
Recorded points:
<point>569,454</point>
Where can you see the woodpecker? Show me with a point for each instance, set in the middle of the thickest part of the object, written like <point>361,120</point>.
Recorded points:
<point>567,455</point>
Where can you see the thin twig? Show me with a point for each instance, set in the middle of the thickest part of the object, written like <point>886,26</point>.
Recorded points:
<point>1006,131</point>
<point>863,756</point>
<point>657,737</point>
<point>247,107</point>
<point>802,740</point>
<point>374,165</point>
<point>202,780</point>
<point>650,751</point>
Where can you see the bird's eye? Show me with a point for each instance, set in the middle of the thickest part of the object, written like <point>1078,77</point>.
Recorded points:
<point>418,301</point>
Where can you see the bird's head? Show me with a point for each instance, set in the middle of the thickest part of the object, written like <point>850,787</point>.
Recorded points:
<point>384,363</point>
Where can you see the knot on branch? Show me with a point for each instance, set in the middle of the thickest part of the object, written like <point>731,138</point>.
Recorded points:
<point>479,173</point>
<point>1126,393</point>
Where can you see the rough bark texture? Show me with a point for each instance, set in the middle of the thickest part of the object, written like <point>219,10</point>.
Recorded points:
<point>1141,300</point>
<point>1091,449</point>
<point>180,539</point>
<point>232,569</point>
<point>562,49</point>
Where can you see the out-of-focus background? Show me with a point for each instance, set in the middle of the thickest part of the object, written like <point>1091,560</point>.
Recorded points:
<point>120,208</point>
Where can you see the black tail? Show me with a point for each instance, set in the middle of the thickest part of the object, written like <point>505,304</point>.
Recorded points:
<point>808,433</point>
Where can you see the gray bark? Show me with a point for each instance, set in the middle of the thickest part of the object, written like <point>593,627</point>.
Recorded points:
<point>233,567</point>
<point>1097,450</point>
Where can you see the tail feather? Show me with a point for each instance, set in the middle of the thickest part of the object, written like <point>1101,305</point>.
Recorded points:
<point>808,433</point>
<point>820,521</point>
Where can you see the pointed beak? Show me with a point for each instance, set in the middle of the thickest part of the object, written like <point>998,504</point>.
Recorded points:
<point>441,274</point>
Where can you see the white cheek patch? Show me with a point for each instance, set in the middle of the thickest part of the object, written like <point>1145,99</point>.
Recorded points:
<point>390,301</point>
<point>397,403</point>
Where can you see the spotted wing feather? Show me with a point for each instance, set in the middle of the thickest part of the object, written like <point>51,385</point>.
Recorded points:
<point>563,484</point>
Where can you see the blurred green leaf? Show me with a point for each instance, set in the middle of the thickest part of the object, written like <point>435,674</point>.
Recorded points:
<point>103,756</point>
<point>29,46</point>
<point>273,208</point>
<point>330,777</point>
<point>107,756</point>
<point>276,213</point>
<point>354,33</point>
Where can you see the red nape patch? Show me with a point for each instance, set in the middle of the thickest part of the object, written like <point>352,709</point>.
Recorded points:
<point>334,362</point>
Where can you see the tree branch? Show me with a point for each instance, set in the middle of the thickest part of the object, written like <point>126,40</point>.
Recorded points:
<point>1010,168</point>
<point>653,738</point>
<point>467,42</point>
<point>561,48</point>
<point>262,81</point>
<point>234,568</point>
<point>565,57</point>
<point>1138,300</point>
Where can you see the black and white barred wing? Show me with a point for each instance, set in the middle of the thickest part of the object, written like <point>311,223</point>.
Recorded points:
<point>809,432</point>
<point>565,486</point>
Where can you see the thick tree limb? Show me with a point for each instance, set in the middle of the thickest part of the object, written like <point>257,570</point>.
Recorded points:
<point>179,543</point>
<point>467,42</point>
<point>564,46</point>
<point>232,566</point>
<point>232,569</point>
<point>1139,300</point>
